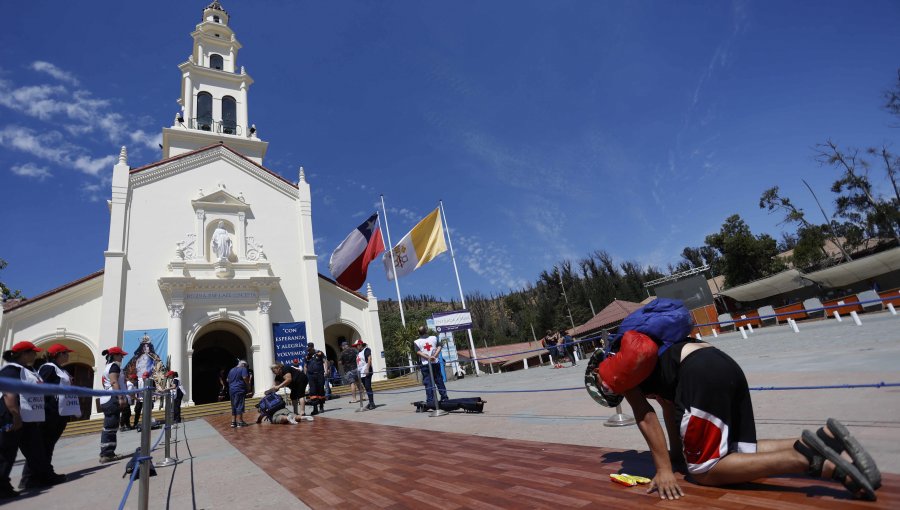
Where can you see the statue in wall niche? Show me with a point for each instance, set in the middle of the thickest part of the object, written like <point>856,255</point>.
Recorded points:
<point>221,242</point>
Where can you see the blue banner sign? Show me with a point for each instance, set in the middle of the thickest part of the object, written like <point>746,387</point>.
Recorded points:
<point>452,321</point>
<point>290,342</point>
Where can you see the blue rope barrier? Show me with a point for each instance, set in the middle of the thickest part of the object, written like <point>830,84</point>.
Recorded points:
<point>134,473</point>
<point>21,387</point>
<point>881,384</point>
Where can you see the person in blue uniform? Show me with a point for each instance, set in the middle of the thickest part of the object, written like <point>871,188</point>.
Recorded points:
<point>21,417</point>
<point>111,406</point>
<point>315,371</point>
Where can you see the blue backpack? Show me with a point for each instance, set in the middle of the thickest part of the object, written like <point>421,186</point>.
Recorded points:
<point>664,320</point>
<point>269,404</point>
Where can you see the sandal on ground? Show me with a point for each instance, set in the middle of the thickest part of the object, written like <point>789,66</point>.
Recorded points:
<point>817,452</point>
<point>842,441</point>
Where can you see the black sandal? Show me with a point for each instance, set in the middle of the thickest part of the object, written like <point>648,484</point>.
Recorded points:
<point>817,452</point>
<point>843,441</point>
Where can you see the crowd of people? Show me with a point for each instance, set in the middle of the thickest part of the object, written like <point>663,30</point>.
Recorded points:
<point>703,394</point>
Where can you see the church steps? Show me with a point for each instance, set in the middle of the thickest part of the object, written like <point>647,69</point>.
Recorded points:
<point>199,411</point>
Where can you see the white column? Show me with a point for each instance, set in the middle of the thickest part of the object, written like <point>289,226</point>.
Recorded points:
<point>199,229</point>
<point>176,338</point>
<point>187,378</point>
<point>242,114</point>
<point>266,354</point>
<point>188,100</point>
<point>240,231</point>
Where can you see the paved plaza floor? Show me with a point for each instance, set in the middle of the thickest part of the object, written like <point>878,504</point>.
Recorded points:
<point>532,448</point>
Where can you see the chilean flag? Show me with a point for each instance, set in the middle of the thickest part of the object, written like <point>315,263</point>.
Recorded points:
<point>350,260</point>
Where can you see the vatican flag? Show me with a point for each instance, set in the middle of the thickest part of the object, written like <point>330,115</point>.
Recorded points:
<point>423,243</point>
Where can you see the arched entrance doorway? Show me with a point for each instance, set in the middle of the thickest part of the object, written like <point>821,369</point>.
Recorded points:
<point>216,349</point>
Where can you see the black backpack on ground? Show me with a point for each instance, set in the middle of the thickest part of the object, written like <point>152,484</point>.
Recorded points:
<point>132,462</point>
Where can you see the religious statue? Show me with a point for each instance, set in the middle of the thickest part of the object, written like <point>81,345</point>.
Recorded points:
<point>221,242</point>
<point>145,360</point>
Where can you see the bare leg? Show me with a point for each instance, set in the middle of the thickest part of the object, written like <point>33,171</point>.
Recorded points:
<point>774,445</point>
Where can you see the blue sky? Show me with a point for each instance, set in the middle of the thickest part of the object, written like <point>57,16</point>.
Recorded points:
<point>550,129</point>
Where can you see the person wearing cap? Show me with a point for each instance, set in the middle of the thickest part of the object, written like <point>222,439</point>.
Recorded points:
<point>315,372</point>
<point>111,405</point>
<point>177,391</point>
<point>364,369</point>
<point>21,416</point>
<point>59,409</point>
<point>708,413</point>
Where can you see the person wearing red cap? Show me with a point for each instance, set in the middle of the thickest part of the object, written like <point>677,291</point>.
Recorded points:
<point>59,408</point>
<point>21,416</point>
<point>709,418</point>
<point>111,405</point>
<point>364,369</point>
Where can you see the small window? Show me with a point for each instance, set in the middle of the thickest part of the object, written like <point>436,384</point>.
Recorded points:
<point>204,111</point>
<point>215,61</point>
<point>217,35</point>
<point>229,115</point>
<point>216,19</point>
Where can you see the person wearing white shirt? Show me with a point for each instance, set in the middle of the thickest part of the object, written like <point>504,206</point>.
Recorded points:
<point>428,348</point>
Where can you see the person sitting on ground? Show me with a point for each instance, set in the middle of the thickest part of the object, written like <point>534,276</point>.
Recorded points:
<point>709,418</point>
<point>296,380</point>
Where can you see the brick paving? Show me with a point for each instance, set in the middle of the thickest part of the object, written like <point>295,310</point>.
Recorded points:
<point>382,466</point>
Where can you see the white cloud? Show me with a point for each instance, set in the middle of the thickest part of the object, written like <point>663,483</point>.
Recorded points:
<point>78,112</point>
<point>52,70</point>
<point>52,147</point>
<point>31,170</point>
<point>488,261</point>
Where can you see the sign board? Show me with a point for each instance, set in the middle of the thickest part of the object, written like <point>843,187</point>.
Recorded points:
<point>452,321</point>
<point>290,342</point>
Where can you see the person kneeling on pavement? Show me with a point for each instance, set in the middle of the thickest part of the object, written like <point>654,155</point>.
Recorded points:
<point>708,414</point>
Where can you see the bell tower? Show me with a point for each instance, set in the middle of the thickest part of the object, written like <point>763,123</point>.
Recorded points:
<point>213,94</point>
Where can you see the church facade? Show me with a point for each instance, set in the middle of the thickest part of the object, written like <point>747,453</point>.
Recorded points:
<point>209,252</point>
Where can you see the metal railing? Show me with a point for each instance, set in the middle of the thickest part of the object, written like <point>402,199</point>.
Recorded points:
<point>215,126</point>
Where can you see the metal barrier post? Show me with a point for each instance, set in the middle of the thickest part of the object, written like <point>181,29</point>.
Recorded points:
<point>892,309</point>
<point>146,425</point>
<point>437,401</point>
<point>856,318</point>
<point>619,419</point>
<point>168,461</point>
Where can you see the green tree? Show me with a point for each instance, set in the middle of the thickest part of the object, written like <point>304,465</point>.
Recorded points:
<point>745,257</point>
<point>5,292</point>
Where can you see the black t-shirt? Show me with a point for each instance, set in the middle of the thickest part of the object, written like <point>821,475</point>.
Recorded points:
<point>298,378</point>
<point>664,378</point>
<point>348,359</point>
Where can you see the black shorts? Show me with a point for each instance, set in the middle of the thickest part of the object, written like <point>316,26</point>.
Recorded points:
<point>713,400</point>
<point>298,387</point>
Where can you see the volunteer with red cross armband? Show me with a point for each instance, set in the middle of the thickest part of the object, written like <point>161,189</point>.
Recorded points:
<point>427,348</point>
<point>708,412</point>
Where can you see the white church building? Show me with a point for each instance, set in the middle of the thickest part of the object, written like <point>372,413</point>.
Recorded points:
<point>208,250</point>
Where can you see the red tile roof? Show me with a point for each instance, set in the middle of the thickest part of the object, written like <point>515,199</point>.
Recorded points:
<point>14,304</point>
<point>220,144</point>
<point>503,353</point>
<point>19,303</point>
<point>614,313</point>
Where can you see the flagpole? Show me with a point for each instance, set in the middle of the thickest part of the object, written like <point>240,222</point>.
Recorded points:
<point>393,265</point>
<point>462,298</point>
